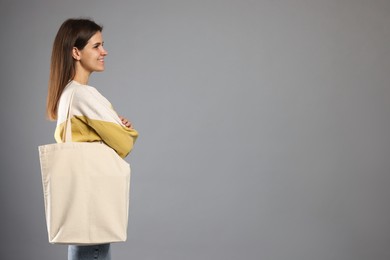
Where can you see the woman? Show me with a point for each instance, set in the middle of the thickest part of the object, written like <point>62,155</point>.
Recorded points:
<point>77,52</point>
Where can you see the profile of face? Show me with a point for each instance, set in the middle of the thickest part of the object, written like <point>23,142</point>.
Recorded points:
<point>91,57</point>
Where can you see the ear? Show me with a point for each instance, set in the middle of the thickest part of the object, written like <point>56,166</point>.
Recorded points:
<point>76,53</point>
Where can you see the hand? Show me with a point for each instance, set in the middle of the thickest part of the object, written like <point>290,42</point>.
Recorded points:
<point>126,122</point>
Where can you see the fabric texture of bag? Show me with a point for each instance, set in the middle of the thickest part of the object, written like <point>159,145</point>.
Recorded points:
<point>86,189</point>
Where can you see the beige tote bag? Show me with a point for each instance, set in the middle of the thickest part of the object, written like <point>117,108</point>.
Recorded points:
<point>86,189</point>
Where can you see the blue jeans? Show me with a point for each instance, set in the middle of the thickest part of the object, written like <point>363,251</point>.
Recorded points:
<point>94,252</point>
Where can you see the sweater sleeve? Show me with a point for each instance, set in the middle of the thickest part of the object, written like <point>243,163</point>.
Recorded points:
<point>91,108</point>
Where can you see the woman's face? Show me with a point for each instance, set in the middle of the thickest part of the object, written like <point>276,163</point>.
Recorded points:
<point>91,58</point>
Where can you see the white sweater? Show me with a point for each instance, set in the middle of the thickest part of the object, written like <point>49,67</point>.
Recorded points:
<point>93,119</point>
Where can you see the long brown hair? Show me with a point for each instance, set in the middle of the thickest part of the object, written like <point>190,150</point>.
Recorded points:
<point>72,33</point>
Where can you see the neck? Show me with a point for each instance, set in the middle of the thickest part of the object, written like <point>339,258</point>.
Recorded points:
<point>81,79</point>
<point>81,76</point>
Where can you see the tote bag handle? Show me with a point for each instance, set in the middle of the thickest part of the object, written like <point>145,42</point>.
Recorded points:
<point>68,127</point>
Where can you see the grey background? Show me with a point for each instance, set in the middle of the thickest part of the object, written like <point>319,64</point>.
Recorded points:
<point>264,125</point>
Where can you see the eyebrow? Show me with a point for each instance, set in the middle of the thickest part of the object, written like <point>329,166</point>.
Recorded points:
<point>98,43</point>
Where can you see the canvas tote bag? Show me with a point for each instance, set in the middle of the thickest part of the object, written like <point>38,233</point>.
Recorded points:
<point>86,189</point>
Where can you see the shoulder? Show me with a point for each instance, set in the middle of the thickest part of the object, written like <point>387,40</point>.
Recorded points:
<point>83,94</point>
<point>84,100</point>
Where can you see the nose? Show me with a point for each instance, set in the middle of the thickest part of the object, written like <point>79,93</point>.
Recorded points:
<point>103,51</point>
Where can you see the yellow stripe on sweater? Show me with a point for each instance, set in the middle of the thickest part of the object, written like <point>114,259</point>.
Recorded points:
<point>84,129</point>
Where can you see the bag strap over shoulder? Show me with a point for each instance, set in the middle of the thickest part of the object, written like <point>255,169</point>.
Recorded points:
<point>68,126</point>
